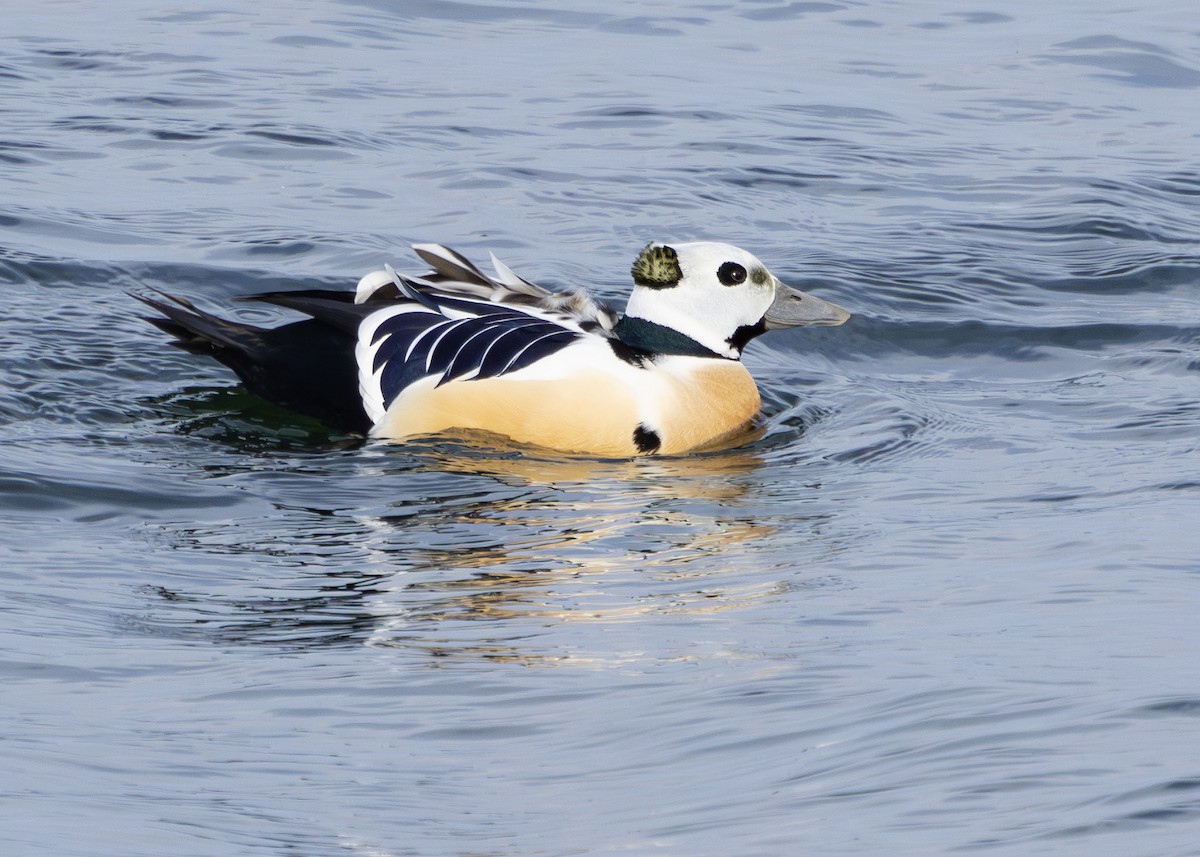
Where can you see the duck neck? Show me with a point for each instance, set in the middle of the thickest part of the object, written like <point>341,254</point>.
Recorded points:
<point>647,336</point>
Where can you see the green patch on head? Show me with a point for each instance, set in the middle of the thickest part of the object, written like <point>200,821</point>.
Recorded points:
<point>657,267</point>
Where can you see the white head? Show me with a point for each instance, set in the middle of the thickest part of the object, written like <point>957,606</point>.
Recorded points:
<point>718,295</point>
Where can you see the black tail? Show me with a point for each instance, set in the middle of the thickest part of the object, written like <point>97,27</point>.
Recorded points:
<point>306,366</point>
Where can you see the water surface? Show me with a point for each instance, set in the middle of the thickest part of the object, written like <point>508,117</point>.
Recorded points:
<point>945,604</point>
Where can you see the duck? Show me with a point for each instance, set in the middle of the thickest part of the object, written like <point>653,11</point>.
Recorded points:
<point>456,351</point>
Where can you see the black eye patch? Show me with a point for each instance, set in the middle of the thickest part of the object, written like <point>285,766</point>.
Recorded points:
<point>731,274</point>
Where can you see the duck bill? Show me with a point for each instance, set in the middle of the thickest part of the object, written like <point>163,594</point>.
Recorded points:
<point>794,308</point>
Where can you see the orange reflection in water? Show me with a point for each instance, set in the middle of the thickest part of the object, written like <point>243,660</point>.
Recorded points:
<point>583,541</point>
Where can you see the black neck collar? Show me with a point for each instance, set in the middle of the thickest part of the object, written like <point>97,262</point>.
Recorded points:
<point>652,338</point>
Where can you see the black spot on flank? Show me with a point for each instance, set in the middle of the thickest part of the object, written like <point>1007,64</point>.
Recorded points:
<point>646,440</point>
<point>742,336</point>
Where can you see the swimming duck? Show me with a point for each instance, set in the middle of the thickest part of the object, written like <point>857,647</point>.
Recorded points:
<point>460,350</point>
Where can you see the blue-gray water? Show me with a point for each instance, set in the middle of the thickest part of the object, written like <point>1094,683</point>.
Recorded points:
<point>946,605</point>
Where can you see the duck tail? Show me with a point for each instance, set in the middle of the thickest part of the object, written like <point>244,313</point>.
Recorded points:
<point>306,366</point>
<point>197,331</point>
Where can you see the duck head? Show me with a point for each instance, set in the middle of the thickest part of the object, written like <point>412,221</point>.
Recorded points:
<point>710,299</point>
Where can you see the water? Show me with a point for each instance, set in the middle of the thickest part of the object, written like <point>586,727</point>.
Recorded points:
<point>946,604</point>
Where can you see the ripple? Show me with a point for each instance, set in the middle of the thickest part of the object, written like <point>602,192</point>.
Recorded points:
<point>74,59</point>
<point>1181,707</point>
<point>1133,63</point>
<point>1171,802</point>
<point>791,11</point>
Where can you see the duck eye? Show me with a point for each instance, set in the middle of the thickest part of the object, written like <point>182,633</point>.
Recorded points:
<point>731,274</point>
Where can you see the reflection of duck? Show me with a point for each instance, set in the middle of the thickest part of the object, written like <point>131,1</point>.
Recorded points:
<point>460,350</point>
<point>580,542</point>
<point>457,552</point>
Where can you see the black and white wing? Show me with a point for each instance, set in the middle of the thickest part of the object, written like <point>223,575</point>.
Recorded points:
<point>452,324</point>
<point>461,340</point>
